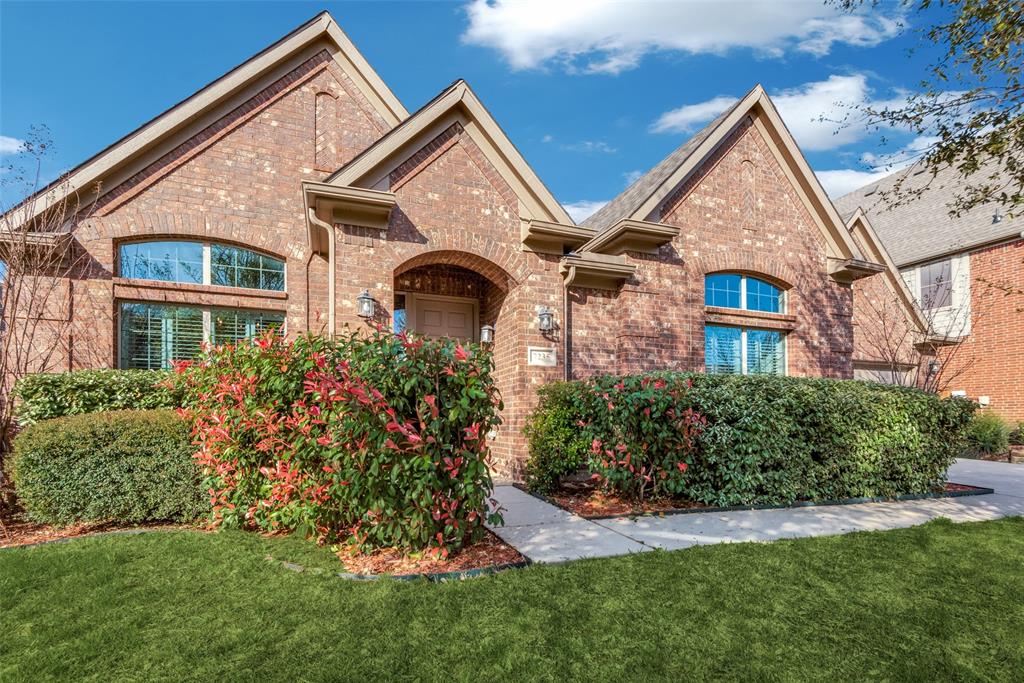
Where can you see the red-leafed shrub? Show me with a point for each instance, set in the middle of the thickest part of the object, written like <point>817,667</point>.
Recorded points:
<point>377,440</point>
<point>643,434</point>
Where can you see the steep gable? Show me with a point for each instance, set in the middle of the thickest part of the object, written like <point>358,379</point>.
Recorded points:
<point>209,106</point>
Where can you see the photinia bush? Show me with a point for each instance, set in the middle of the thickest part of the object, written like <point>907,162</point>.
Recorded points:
<point>642,436</point>
<point>374,439</point>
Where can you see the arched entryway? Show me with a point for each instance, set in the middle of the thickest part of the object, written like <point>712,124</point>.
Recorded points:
<point>454,294</point>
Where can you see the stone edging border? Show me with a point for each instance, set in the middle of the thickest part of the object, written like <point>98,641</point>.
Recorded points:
<point>975,491</point>
<point>440,577</point>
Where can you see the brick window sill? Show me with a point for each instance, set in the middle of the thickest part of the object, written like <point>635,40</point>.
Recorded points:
<point>206,295</point>
<point>740,318</point>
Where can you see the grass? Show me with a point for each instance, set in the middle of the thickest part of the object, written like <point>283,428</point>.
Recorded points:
<point>936,602</point>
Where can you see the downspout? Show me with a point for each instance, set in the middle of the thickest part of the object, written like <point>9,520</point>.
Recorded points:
<point>330,267</point>
<point>567,317</point>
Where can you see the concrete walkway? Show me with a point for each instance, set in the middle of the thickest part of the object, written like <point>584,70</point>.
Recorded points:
<point>545,533</point>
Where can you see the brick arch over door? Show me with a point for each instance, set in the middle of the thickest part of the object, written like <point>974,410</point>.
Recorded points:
<point>494,272</point>
<point>750,264</point>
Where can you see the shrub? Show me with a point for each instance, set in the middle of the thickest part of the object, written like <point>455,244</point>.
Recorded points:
<point>125,466</point>
<point>1017,435</point>
<point>378,440</point>
<point>989,434</point>
<point>553,435</point>
<point>48,395</point>
<point>735,440</point>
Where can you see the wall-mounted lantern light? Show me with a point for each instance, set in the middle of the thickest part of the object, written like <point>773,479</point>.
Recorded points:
<point>933,367</point>
<point>487,334</point>
<point>546,319</point>
<point>365,305</point>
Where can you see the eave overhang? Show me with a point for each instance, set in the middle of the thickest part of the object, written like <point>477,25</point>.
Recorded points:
<point>632,235</point>
<point>936,341</point>
<point>332,204</point>
<point>547,237</point>
<point>38,242</point>
<point>596,271</point>
<point>849,270</point>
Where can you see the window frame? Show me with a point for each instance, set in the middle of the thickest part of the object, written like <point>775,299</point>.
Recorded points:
<point>207,312</point>
<point>207,251</point>
<point>744,351</point>
<point>948,284</point>
<point>783,294</point>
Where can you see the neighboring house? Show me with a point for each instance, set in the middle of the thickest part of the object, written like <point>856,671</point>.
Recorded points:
<point>967,274</point>
<point>296,190</point>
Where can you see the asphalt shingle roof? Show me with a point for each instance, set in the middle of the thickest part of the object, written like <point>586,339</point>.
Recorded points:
<point>922,228</point>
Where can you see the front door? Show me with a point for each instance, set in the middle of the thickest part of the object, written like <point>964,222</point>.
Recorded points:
<point>442,316</point>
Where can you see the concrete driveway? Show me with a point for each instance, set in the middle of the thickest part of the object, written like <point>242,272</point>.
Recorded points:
<point>545,533</point>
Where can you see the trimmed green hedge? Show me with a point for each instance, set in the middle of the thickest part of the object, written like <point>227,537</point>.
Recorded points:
<point>45,396</point>
<point>125,466</point>
<point>760,440</point>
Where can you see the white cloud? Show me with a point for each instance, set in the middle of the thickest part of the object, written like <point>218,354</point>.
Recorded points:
<point>591,147</point>
<point>547,138</point>
<point>632,176</point>
<point>10,145</point>
<point>842,181</point>
<point>581,210</point>
<point>609,36</point>
<point>816,113</point>
<point>685,118</point>
<point>845,180</point>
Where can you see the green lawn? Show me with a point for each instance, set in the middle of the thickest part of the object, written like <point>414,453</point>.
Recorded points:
<point>937,602</point>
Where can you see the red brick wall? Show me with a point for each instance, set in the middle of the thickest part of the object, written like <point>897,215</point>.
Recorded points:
<point>738,212</point>
<point>991,361</point>
<point>238,181</point>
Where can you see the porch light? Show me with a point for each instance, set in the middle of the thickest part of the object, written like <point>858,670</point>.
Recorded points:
<point>933,367</point>
<point>365,305</point>
<point>546,319</point>
<point>487,334</point>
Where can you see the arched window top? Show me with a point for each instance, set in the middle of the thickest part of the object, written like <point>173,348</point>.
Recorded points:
<point>735,290</point>
<point>201,263</point>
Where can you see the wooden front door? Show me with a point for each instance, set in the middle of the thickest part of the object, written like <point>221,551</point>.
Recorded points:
<point>443,316</point>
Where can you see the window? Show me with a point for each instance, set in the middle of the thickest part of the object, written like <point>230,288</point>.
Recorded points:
<point>937,285</point>
<point>730,290</point>
<point>154,335</point>
<point>398,319</point>
<point>201,263</point>
<point>738,350</point>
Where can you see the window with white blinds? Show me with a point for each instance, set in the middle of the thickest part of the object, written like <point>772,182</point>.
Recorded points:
<point>153,336</point>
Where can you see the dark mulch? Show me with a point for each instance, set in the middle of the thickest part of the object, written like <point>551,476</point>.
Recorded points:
<point>588,501</point>
<point>490,551</point>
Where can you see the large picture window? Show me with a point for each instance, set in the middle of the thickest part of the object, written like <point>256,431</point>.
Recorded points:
<point>746,351</point>
<point>201,263</point>
<point>731,290</point>
<point>152,336</point>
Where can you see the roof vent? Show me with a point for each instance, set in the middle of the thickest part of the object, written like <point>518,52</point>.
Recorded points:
<point>997,217</point>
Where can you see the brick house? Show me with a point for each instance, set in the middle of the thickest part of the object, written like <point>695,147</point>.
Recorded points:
<point>297,182</point>
<point>966,273</point>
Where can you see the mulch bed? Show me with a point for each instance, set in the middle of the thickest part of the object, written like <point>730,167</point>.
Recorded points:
<point>490,551</point>
<point>590,502</point>
<point>15,531</point>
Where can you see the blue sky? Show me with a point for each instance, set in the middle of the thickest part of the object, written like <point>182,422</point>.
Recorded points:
<point>592,93</point>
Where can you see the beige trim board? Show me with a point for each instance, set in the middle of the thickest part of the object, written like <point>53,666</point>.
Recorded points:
<point>862,232</point>
<point>196,112</point>
<point>632,235</point>
<point>349,205</point>
<point>547,237</point>
<point>595,271</point>
<point>458,103</point>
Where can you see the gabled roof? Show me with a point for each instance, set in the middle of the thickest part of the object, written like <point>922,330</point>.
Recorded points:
<point>641,199</point>
<point>177,122</point>
<point>922,229</point>
<point>864,233</point>
<point>626,203</point>
<point>456,103</point>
